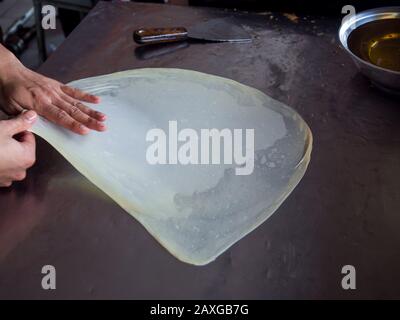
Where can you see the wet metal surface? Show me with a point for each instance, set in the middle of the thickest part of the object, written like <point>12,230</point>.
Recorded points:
<point>344,211</point>
<point>222,29</point>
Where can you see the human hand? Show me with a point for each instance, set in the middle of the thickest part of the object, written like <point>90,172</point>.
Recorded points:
<point>17,148</point>
<point>22,89</point>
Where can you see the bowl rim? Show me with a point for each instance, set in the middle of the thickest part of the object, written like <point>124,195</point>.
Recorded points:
<point>364,17</point>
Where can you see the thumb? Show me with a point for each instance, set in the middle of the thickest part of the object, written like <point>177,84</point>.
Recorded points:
<point>21,123</point>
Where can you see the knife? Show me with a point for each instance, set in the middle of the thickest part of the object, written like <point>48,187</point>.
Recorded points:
<point>214,30</point>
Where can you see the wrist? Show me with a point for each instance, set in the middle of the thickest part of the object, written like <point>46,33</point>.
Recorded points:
<point>9,65</point>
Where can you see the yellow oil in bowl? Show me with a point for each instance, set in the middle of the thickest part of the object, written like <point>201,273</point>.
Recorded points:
<point>378,42</point>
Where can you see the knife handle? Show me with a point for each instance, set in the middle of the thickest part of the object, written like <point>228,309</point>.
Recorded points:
<point>156,35</point>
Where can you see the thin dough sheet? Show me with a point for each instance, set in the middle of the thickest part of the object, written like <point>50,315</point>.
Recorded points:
<point>196,211</point>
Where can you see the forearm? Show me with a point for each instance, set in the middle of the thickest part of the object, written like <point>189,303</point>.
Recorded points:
<point>8,64</point>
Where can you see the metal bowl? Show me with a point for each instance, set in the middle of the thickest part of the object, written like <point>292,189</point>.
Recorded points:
<point>385,79</point>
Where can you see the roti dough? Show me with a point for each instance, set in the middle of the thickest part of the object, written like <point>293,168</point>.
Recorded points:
<point>196,211</point>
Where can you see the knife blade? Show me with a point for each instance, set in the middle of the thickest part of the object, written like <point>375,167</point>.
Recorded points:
<point>214,30</point>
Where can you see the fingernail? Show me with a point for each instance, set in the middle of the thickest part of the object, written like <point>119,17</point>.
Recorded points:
<point>30,116</point>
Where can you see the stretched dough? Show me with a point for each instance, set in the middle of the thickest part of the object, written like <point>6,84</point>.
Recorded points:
<point>195,211</point>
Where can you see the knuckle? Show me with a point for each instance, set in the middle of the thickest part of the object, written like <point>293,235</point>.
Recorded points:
<point>61,114</point>
<point>6,184</point>
<point>29,161</point>
<point>74,110</point>
<point>76,126</point>
<point>37,94</point>
<point>40,100</point>
<point>34,92</point>
<point>92,122</point>
<point>82,107</point>
<point>52,96</point>
<point>67,88</point>
<point>76,92</point>
<point>48,87</point>
<point>20,176</point>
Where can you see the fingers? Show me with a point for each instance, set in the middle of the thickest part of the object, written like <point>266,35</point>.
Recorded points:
<point>62,118</point>
<point>80,95</point>
<point>28,143</point>
<point>27,157</point>
<point>20,124</point>
<point>19,149</point>
<point>23,159</point>
<point>16,176</point>
<point>5,184</point>
<point>12,108</point>
<point>90,112</point>
<point>75,112</point>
